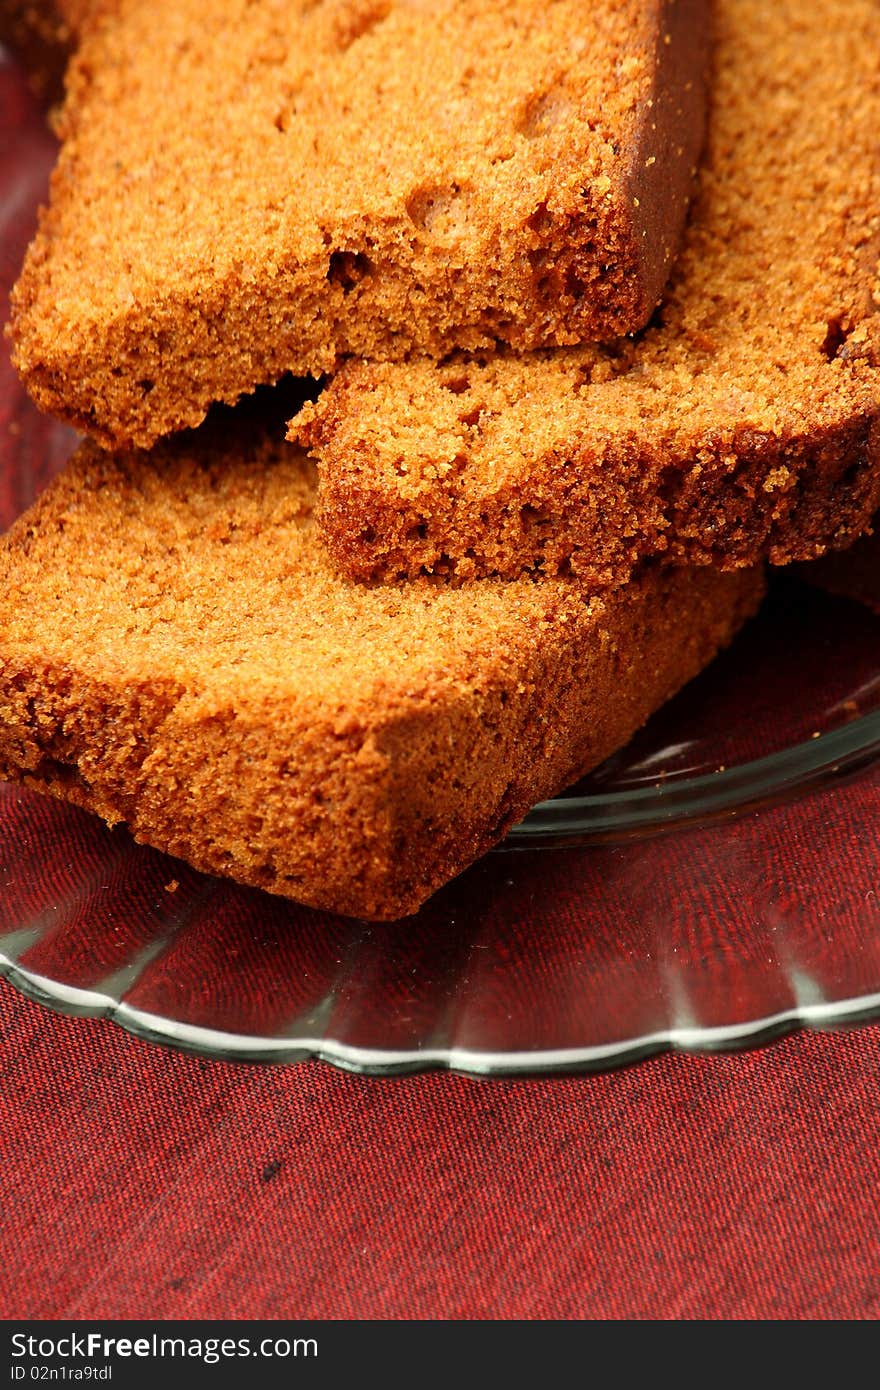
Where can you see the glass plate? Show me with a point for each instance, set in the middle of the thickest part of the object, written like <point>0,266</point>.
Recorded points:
<point>713,885</point>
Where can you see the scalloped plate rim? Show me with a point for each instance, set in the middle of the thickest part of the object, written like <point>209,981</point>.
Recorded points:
<point>232,1047</point>
<point>733,788</point>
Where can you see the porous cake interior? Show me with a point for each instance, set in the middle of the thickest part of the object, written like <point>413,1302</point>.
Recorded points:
<point>768,333</point>
<point>177,652</point>
<point>328,176</point>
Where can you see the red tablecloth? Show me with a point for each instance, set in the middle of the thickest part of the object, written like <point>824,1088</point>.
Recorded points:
<point>142,1183</point>
<point>138,1182</point>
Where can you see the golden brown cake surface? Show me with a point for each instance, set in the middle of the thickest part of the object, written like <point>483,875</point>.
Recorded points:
<point>176,652</point>
<point>743,423</point>
<point>259,186</point>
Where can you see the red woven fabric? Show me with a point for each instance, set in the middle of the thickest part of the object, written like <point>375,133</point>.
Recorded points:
<point>142,1183</point>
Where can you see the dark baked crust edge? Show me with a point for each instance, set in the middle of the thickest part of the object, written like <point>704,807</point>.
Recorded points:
<point>729,499</point>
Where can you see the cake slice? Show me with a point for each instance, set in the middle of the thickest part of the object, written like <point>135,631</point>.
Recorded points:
<point>745,422</point>
<point>256,187</point>
<point>176,652</point>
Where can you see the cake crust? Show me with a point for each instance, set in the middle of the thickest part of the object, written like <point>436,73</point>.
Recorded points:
<point>176,652</point>
<point>743,423</point>
<point>385,176</point>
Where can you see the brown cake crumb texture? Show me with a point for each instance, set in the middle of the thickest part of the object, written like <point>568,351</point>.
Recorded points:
<point>743,423</point>
<point>260,186</point>
<point>176,652</point>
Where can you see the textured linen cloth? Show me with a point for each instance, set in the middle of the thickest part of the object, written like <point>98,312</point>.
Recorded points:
<point>143,1183</point>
